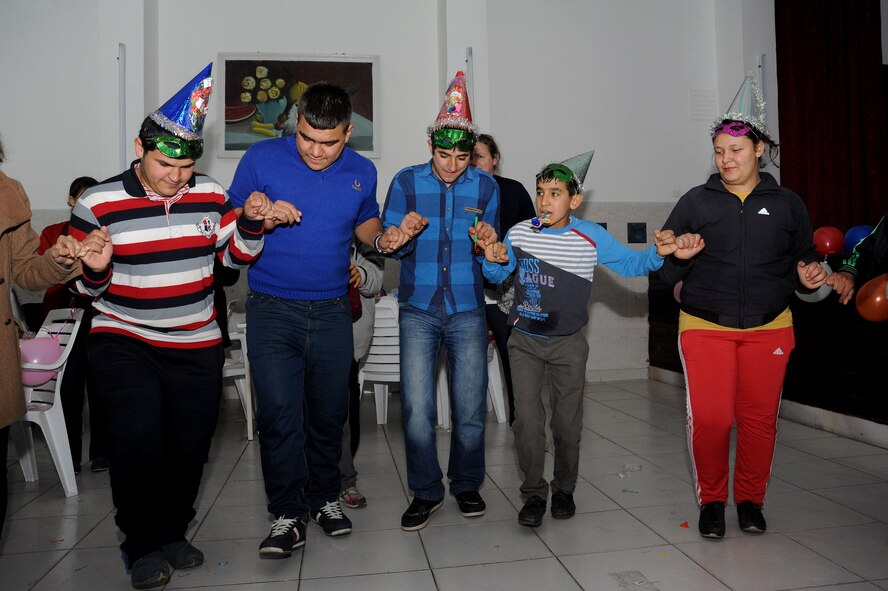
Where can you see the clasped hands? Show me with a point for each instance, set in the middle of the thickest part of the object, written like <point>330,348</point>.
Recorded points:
<point>94,250</point>
<point>395,237</point>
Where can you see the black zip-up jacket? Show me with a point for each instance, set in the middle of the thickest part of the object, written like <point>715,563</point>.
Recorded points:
<point>746,274</point>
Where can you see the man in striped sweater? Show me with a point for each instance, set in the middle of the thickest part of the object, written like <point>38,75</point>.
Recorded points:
<point>155,348</point>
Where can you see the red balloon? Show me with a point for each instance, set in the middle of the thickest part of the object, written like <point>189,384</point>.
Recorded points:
<point>829,240</point>
<point>676,291</point>
<point>872,299</point>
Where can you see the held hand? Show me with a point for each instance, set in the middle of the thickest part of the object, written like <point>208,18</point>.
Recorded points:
<point>66,251</point>
<point>97,249</point>
<point>685,246</point>
<point>497,252</point>
<point>486,235</point>
<point>354,276</point>
<point>284,213</point>
<point>392,239</point>
<point>411,225</point>
<point>258,206</point>
<point>812,275</point>
<point>842,283</point>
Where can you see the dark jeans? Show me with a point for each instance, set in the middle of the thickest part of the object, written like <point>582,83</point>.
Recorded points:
<point>162,406</point>
<point>498,321</point>
<point>300,352</point>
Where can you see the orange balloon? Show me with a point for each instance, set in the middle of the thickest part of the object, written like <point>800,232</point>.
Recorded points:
<point>872,299</point>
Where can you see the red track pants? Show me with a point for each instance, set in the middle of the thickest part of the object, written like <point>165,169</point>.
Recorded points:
<point>733,376</point>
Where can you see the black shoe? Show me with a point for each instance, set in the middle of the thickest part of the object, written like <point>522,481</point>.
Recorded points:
<point>712,520</point>
<point>332,520</point>
<point>418,513</point>
<point>471,504</point>
<point>100,465</point>
<point>76,469</point>
<point>286,535</point>
<point>531,514</point>
<point>181,554</point>
<point>750,517</point>
<point>563,506</point>
<point>152,570</point>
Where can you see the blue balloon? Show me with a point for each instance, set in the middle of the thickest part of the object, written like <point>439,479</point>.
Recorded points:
<point>855,235</point>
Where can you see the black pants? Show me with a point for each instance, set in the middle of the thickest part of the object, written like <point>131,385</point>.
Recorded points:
<point>498,322</point>
<point>162,405</point>
<point>74,384</point>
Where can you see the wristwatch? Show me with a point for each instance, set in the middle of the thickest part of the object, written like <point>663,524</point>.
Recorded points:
<point>376,244</point>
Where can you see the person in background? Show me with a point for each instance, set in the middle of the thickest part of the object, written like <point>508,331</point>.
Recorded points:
<point>20,264</point>
<point>441,304</point>
<point>735,326</point>
<point>365,282</point>
<point>515,205</point>
<point>868,259</point>
<point>155,348</point>
<point>74,385</point>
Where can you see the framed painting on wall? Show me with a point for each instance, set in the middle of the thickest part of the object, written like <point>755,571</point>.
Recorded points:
<point>261,89</point>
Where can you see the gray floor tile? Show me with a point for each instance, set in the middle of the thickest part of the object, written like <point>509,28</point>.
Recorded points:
<point>543,573</point>
<point>663,568</point>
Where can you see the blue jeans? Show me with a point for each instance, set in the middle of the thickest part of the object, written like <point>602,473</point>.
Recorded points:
<point>300,352</point>
<point>464,336</point>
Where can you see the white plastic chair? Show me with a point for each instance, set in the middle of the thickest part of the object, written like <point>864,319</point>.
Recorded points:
<point>44,405</point>
<point>382,365</point>
<point>237,366</point>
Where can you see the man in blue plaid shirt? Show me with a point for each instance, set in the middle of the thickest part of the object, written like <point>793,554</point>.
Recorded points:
<point>441,302</point>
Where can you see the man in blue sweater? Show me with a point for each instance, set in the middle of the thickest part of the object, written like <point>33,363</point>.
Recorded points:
<point>300,334</point>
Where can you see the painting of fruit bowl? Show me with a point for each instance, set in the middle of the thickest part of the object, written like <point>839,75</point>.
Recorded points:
<point>261,90</point>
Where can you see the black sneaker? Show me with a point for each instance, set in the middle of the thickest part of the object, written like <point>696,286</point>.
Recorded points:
<point>332,520</point>
<point>181,554</point>
<point>531,514</point>
<point>100,465</point>
<point>471,504</point>
<point>418,513</point>
<point>712,520</point>
<point>286,535</point>
<point>563,506</point>
<point>152,570</point>
<point>750,517</point>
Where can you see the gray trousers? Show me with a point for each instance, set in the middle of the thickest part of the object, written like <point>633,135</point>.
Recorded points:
<point>563,361</point>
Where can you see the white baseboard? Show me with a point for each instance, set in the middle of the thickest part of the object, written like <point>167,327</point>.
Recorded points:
<point>833,422</point>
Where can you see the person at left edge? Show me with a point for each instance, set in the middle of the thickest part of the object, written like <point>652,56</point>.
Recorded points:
<point>155,348</point>
<point>299,333</point>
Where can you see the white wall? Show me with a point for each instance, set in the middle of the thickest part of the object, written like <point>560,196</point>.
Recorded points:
<point>60,87</point>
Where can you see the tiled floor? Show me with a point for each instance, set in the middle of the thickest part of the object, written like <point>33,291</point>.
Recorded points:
<point>635,528</point>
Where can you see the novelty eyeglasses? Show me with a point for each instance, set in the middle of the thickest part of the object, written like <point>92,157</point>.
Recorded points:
<point>449,138</point>
<point>175,147</point>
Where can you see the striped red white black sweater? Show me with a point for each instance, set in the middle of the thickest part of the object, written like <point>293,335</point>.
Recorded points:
<point>159,286</point>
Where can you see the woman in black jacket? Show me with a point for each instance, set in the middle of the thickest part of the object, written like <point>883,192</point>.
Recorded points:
<point>735,326</point>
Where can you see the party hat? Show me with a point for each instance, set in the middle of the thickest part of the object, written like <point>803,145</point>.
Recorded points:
<point>747,107</point>
<point>455,112</point>
<point>580,165</point>
<point>183,115</point>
